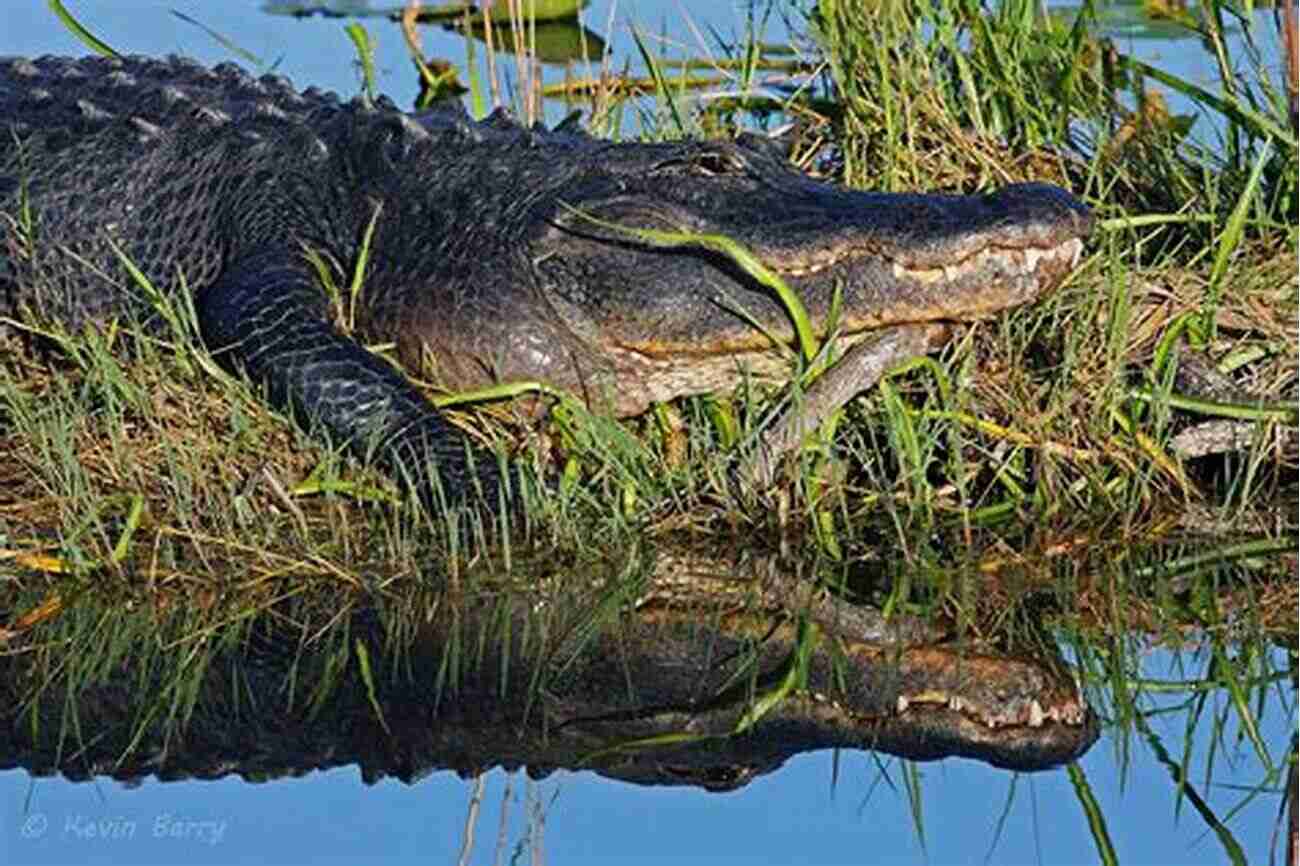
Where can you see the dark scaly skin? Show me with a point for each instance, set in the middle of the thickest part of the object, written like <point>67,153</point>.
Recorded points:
<point>481,269</point>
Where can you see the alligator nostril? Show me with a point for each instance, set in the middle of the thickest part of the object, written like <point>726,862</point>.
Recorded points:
<point>1041,199</point>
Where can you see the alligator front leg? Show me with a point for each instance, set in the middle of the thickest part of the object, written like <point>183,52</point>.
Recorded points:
<point>268,318</point>
<point>861,367</point>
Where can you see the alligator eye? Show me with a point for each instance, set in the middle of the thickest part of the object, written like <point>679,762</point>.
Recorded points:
<point>709,163</point>
<point>714,162</point>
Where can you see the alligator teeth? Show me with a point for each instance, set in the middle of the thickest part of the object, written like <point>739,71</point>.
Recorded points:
<point>902,704</point>
<point>1035,714</point>
<point>1013,262</point>
<point>1070,714</point>
<point>928,276</point>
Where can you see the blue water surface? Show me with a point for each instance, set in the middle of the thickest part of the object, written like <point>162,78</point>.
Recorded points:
<point>811,811</point>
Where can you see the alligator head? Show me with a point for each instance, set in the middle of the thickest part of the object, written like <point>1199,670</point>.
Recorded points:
<point>661,699</point>
<point>625,322</point>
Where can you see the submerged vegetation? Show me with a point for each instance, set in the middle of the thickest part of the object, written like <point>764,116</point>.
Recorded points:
<point>1121,459</point>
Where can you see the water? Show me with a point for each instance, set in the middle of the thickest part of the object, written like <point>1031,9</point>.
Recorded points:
<point>853,807</point>
<point>810,811</point>
<point>315,50</point>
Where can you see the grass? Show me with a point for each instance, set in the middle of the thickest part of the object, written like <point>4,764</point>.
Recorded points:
<point>147,500</point>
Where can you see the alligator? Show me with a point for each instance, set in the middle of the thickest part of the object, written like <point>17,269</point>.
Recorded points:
<point>496,252</point>
<point>651,671</point>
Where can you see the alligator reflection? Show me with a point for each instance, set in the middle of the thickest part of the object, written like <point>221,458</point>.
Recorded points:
<point>644,677</point>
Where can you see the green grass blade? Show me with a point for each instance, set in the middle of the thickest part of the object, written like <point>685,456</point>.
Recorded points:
<point>75,27</point>
<point>794,676</point>
<point>1231,847</point>
<point>128,531</point>
<point>1218,557</point>
<point>367,676</point>
<point>224,41</point>
<point>1283,413</point>
<point>1092,811</point>
<point>660,84</point>
<point>365,48</point>
<point>1231,239</point>
<point>363,262</point>
<point>1230,108</point>
<point>915,801</point>
<point>502,391</point>
<point>739,255</point>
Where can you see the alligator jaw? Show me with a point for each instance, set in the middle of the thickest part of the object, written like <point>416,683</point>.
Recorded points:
<point>918,702</point>
<point>1017,713</point>
<point>656,324</point>
<point>985,283</point>
<point>1017,261</point>
<point>657,369</point>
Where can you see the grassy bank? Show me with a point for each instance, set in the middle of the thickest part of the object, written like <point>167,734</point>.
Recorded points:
<point>1152,399</point>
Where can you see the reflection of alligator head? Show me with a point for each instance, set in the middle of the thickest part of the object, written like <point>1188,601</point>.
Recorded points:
<point>644,678</point>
